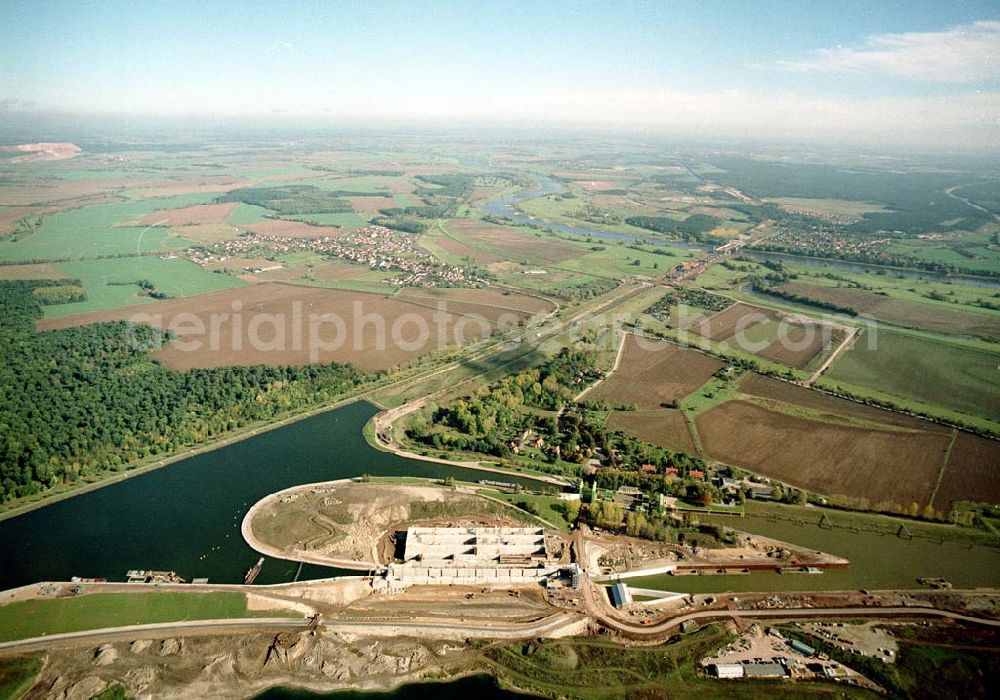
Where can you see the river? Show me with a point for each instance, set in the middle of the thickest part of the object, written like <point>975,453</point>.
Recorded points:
<point>504,207</point>
<point>186,517</point>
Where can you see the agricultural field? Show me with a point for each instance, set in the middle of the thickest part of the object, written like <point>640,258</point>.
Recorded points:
<point>114,284</point>
<point>95,231</point>
<point>830,207</point>
<point>616,261</point>
<point>767,389</point>
<point>738,317</point>
<point>488,303</point>
<point>801,344</point>
<point>38,271</point>
<point>519,245</point>
<point>971,474</point>
<point>196,215</point>
<point>289,229</point>
<point>664,427</point>
<point>654,374</point>
<point>974,251</point>
<point>884,306</point>
<point>931,371</point>
<point>783,339</point>
<point>846,449</point>
<point>882,467</point>
<point>450,250</point>
<point>278,324</point>
<point>791,340</point>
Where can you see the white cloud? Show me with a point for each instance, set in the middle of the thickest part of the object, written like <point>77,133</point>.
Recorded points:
<point>968,53</point>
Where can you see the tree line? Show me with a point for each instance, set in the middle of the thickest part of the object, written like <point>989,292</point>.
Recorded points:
<point>80,401</point>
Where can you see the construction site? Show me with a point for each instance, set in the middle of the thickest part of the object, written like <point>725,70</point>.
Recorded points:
<point>473,556</point>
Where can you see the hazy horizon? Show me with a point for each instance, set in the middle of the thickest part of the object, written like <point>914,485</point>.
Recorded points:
<point>923,75</point>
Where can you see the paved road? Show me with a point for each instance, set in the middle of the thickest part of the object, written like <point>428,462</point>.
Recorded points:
<point>478,630</point>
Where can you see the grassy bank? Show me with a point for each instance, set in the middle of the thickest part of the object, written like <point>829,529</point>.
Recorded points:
<point>34,618</point>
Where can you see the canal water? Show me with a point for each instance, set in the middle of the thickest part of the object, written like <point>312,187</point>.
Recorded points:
<point>186,517</point>
<point>878,561</point>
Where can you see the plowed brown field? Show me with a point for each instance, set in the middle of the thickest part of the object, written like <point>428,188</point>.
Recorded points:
<point>894,467</point>
<point>652,373</point>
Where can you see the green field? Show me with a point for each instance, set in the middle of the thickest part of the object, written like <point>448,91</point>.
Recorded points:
<point>17,676</point>
<point>245,214</point>
<point>34,618</point>
<point>970,250</point>
<point>618,261</point>
<point>545,505</point>
<point>110,284</point>
<point>342,219</point>
<point>96,231</point>
<point>931,371</point>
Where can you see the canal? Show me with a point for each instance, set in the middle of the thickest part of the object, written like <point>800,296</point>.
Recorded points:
<point>186,517</point>
<point>878,560</point>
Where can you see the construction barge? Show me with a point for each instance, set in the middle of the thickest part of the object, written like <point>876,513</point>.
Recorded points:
<point>701,570</point>
<point>254,572</point>
<point>143,576</point>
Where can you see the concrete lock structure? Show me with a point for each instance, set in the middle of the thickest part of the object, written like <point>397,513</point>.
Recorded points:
<point>475,546</point>
<point>473,555</point>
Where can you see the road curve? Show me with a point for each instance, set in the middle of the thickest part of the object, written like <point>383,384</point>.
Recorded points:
<point>790,614</point>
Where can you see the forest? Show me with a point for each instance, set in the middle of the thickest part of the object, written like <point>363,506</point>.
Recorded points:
<point>695,227</point>
<point>295,200</point>
<point>79,401</point>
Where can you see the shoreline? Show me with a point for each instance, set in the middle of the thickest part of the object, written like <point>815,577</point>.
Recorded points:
<point>269,551</point>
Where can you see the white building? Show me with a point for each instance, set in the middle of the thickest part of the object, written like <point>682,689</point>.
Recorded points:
<point>727,670</point>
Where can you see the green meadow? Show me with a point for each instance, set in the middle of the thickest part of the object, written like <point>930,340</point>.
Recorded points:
<point>931,371</point>
<point>111,284</point>
<point>33,618</point>
<point>96,231</point>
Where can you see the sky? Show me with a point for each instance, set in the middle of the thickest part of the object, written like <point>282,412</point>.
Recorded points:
<point>913,71</point>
